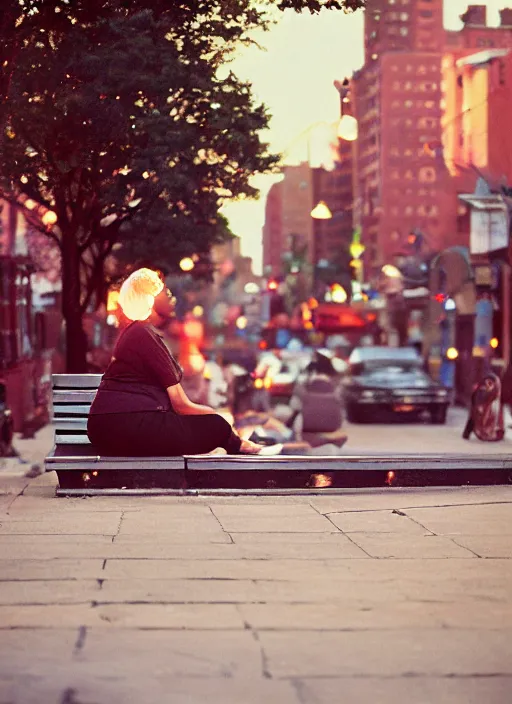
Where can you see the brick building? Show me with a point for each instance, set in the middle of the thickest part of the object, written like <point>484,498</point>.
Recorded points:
<point>273,230</point>
<point>288,217</point>
<point>402,183</point>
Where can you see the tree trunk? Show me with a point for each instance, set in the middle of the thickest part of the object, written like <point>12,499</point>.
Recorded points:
<point>76,339</point>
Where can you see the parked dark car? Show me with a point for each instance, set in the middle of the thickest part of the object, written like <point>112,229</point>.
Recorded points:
<point>391,381</point>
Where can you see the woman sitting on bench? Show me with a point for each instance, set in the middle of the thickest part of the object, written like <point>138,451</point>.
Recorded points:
<point>140,408</point>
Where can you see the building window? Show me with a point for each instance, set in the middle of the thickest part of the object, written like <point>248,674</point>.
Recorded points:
<point>397,85</point>
<point>408,152</point>
<point>430,104</point>
<point>395,174</point>
<point>427,175</point>
<point>404,31</point>
<point>408,104</point>
<point>426,123</point>
<point>404,16</point>
<point>409,210</point>
<point>409,176</point>
<point>408,85</point>
<point>426,13</point>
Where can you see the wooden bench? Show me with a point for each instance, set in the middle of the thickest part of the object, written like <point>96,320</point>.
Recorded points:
<point>82,471</point>
<point>78,464</point>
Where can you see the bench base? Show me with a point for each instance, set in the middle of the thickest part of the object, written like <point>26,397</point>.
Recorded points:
<point>328,476</point>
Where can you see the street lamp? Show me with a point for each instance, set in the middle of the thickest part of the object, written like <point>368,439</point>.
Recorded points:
<point>49,218</point>
<point>187,264</point>
<point>348,128</point>
<point>321,211</point>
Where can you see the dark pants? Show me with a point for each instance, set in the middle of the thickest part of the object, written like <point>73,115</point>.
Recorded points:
<point>160,434</point>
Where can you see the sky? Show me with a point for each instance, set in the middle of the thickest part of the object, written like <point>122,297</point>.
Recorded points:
<point>293,76</point>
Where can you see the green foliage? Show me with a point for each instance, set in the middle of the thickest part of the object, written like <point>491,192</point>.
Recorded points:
<point>113,115</point>
<point>318,5</point>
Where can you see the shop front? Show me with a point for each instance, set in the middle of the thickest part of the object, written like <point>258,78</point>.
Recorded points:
<point>25,363</point>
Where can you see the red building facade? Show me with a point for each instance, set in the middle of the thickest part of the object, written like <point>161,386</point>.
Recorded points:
<point>402,183</point>
<point>273,231</point>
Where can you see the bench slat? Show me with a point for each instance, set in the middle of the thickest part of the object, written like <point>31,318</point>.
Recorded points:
<point>336,463</point>
<point>75,439</point>
<point>76,381</point>
<point>68,410</point>
<point>73,396</point>
<point>70,424</point>
<point>97,463</point>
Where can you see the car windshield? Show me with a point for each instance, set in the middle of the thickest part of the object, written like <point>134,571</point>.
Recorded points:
<point>385,367</point>
<point>391,370</point>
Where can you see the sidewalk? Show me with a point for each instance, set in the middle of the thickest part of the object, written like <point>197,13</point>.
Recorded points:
<point>372,596</point>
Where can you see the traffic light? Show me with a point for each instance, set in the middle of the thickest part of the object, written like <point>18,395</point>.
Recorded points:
<point>272,285</point>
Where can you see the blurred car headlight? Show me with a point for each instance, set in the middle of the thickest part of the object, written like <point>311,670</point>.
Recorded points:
<point>441,393</point>
<point>368,394</point>
<point>258,383</point>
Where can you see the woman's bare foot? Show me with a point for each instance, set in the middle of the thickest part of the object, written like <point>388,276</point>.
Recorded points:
<point>249,448</point>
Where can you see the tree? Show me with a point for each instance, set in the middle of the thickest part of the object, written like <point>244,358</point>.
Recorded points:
<point>113,117</point>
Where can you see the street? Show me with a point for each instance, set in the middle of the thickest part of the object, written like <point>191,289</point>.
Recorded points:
<point>406,437</point>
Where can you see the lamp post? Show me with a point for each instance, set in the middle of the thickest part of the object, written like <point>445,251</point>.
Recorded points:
<point>347,126</point>
<point>322,212</point>
<point>357,249</point>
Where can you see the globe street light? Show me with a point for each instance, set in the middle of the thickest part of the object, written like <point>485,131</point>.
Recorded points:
<point>348,128</point>
<point>49,218</point>
<point>187,264</point>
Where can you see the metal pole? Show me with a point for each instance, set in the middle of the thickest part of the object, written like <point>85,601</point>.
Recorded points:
<point>506,318</point>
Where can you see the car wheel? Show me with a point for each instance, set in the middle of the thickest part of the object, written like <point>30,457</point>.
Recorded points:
<point>353,414</point>
<point>438,415</point>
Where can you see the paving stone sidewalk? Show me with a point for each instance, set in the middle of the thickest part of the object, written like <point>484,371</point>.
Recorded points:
<point>383,597</point>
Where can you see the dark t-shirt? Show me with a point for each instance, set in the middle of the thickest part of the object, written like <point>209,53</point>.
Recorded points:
<point>141,370</point>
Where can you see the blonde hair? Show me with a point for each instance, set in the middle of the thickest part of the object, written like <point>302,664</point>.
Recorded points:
<point>138,292</point>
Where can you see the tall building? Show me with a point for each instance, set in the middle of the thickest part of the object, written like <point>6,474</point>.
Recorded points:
<point>332,237</point>
<point>288,217</point>
<point>273,230</point>
<point>398,187</point>
<point>401,181</point>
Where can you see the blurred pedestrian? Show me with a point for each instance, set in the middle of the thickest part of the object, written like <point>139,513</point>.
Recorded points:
<point>486,411</point>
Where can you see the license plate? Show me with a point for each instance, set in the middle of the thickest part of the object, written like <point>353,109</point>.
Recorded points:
<point>404,407</point>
